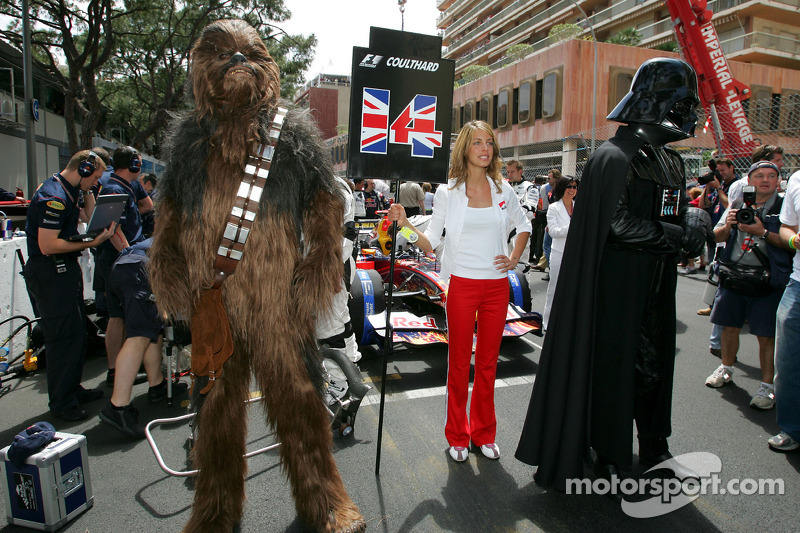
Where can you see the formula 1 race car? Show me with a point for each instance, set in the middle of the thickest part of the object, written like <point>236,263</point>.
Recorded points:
<point>419,295</point>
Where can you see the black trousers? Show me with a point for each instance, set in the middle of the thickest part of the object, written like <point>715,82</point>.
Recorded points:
<point>59,299</point>
<point>537,238</point>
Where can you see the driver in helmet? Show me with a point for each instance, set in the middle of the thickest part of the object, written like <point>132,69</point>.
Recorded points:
<point>623,244</point>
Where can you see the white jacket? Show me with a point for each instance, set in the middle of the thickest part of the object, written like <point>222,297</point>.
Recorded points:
<point>558,225</point>
<point>450,208</point>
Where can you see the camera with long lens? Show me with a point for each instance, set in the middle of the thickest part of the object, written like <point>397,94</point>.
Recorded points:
<point>712,175</point>
<point>746,214</point>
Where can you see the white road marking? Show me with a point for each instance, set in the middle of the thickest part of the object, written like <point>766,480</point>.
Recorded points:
<point>375,398</point>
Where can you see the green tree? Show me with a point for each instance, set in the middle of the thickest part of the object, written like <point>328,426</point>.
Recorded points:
<point>126,64</point>
<point>519,51</point>
<point>670,46</point>
<point>80,34</point>
<point>564,32</point>
<point>626,37</point>
<point>146,79</point>
<point>474,72</point>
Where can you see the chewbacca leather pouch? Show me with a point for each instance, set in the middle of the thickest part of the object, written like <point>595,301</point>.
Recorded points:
<point>212,343</point>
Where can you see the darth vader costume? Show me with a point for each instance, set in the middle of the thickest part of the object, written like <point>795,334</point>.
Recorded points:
<point>608,355</point>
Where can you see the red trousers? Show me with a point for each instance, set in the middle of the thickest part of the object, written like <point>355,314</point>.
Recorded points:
<point>468,300</point>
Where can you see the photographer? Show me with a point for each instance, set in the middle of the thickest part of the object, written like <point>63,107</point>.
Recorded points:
<point>753,269</point>
<point>717,184</point>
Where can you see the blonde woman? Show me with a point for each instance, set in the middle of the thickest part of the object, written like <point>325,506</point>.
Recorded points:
<point>475,207</point>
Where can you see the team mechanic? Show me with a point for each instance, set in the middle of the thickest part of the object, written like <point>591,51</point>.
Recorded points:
<point>55,281</point>
<point>528,194</point>
<point>127,165</point>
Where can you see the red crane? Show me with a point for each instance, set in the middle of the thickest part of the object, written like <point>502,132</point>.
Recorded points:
<point>720,93</point>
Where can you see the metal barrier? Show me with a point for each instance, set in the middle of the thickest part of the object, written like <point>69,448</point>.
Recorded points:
<point>185,473</point>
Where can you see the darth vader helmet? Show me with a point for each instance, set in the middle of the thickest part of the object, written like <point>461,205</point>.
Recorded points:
<point>662,100</point>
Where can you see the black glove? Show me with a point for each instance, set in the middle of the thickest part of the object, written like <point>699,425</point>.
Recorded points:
<point>697,228</point>
<point>673,234</point>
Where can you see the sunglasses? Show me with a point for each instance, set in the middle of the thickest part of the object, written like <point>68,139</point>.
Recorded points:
<point>572,186</point>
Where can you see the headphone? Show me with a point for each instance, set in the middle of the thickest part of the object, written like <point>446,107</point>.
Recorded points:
<point>88,166</point>
<point>135,165</point>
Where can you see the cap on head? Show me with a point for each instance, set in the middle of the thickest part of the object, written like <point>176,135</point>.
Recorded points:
<point>763,164</point>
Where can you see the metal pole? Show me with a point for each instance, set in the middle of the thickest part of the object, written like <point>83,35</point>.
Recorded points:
<point>402,5</point>
<point>388,334</point>
<point>30,131</point>
<point>594,79</point>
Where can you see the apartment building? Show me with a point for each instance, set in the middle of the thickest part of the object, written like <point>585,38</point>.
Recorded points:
<point>541,105</point>
<point>479,32</point>
<point>328,98</point>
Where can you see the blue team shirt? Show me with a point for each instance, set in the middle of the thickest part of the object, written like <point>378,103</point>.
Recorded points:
<point>131,220</point>
<point>52,208</point>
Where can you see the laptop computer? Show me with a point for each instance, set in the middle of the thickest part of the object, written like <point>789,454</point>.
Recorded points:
<point>107,210</point>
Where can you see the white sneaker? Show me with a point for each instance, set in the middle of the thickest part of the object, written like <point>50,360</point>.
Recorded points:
<point>490,451</point>
<point>459,453</point>
<point>720,377</point>
<point>764,398</point>
<point>783,442</point>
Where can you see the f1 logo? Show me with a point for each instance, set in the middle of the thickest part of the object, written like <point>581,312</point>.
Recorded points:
<point>370,61</point>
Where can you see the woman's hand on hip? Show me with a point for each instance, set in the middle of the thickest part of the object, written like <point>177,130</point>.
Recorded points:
<point>504,263</point>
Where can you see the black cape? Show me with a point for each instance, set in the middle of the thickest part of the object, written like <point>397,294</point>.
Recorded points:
<point>555,433</point>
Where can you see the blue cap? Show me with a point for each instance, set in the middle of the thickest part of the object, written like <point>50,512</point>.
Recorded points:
<point>763,164</point>
<point>29,441</point>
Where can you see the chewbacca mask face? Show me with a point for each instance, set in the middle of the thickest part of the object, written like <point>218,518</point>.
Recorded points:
<point>232,71</point>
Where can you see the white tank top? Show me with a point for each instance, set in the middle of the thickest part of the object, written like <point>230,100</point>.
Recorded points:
<point>481,242</point>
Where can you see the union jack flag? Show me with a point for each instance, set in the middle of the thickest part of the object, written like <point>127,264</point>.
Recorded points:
<point>374,120</point>
<point>416,126</point>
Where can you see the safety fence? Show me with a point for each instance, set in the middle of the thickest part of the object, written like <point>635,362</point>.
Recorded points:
<point>773,120</point>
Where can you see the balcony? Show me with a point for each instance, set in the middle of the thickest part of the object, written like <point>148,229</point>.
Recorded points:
<point>756,47</point>
<point>484,26</point>
<point>555,14</point>
<point>551,15</point>
<point>453,10</point>
<point>467,18</point>
<point>764,48</point>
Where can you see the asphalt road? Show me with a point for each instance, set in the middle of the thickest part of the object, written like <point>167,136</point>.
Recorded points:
<point>419,489</point>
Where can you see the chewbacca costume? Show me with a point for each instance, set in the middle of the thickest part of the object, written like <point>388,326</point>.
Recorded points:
<point>289,272</point>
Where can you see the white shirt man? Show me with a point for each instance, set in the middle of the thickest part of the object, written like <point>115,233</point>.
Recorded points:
<point>528,195</point>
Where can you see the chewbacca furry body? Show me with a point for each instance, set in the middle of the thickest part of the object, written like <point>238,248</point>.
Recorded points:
<point>290,270</point>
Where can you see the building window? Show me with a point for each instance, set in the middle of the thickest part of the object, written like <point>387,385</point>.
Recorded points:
<point>537,112</point>
<point>791,114</point>
<point>454,125</point>
<point>502,108</point>
<point>760,108</point>
<point>469,111</point>
<point>619,84</point>
<point>483,110</point>
<point>524,102</point>
<point>550,96</point>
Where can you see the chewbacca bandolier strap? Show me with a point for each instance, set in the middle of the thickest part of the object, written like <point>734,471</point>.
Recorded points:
<point>212,343</point>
